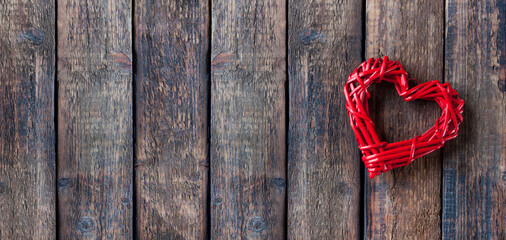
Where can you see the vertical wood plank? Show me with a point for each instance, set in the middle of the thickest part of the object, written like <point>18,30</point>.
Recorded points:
<point>324,42</point>
<point>248,72</point>
<point>171,39</point>
<point>474,175</point>
<point>406,202</point>
<point>95,162</point>
<point>27,134</point>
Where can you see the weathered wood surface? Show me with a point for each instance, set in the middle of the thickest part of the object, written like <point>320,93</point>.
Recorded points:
<point>248,119</point>
<point>171,41</point>
<point>95,160</point>
<point>474,174</point>
<point>406,202</point>
<point>324,46</point>
<point>27,152</point>
<point>240,125</point>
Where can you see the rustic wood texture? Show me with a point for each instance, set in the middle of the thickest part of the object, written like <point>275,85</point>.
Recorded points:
<point>27,152</point>
<point>474,175</point>
<point>95,159</point>
<point>324,46</point>
<point>248,114</point>
<point>171,92</point>
<point>406,202</point>
<point>237,128</point>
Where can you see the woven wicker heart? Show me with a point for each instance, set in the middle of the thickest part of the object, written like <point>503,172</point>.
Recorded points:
<point>380,156</point>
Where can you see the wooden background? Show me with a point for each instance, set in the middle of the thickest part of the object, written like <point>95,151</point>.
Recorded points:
<point>225,119</point>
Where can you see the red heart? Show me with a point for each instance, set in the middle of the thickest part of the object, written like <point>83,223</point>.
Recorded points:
<point>380,156</point>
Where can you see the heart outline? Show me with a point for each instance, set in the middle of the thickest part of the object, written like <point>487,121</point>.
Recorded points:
<point>381,156</point>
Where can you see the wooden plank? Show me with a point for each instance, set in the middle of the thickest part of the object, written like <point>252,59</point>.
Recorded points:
<point>171,39</point>
<point>248,137</point>
<point>474,174</point>
<point>27,134</point>
<point>95,152</point>
<point>406,202</point>
<point>325,44</point>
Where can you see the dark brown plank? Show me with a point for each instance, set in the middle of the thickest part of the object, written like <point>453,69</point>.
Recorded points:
<point>27,134</point>
<point>324,42</point>
<point>95,164</point>
<point>171,40</point>
<point>474,174</point>
<point>406,202</point>
<point>248,72</point>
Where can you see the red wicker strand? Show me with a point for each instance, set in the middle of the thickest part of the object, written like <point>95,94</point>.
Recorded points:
<point>380,156</point>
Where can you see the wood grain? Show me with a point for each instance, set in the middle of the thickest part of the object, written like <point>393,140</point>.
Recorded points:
<point>248,113</point>
<point>171,39</point>
<point>324,46</point>
<point>474,175</point>
<point>95,163</point>
<point>27,134</point>
<point>406,202</point>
